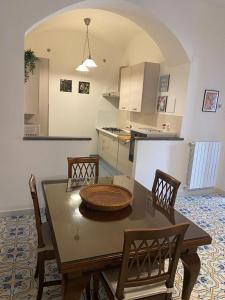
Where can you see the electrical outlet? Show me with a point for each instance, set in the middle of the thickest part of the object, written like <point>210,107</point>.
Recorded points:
<point>166,126</point>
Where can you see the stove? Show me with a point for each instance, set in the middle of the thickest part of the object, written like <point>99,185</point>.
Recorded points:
<point>112,129</point>
<point>116,131</point>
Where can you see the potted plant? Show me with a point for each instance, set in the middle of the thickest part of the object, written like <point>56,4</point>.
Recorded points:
<point>29,63</point>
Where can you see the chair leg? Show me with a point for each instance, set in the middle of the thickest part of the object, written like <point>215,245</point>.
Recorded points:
<point>88,291</point>
<point>95,286</point>
<point>37,268</point>
<point>36,271</point>
<point>169,296</point>
<point>41,269</point>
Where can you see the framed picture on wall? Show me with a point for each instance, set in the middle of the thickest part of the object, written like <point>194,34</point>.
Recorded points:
<point>65,85</point>
<point>84,87</point>
<point>162,103</point>
<point>164,81</point>
<point>210,101</point>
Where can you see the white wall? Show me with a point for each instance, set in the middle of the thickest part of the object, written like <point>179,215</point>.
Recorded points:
<point>177,93</point>
<point>44,159</point>
<point>168,156</point>
<point>74,114</point>
<point>196,25</point>
<point>142,48</point>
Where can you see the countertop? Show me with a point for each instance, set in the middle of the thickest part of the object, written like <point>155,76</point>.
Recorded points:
<point>160,138</point>
<point>126,138</point>
<point>55,138</point>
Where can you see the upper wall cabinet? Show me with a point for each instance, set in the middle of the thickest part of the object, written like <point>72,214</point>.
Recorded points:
<point>125,88</point>
<point>138,87</point>
<point>31,91</point>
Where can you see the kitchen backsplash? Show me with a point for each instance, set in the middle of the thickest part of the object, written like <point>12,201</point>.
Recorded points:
<point>125,118</point>
<point>106,118</point>
<point>174,121</point>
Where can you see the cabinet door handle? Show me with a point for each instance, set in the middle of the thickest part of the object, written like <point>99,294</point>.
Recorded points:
<point>134,108</point>
<point>123,107</point>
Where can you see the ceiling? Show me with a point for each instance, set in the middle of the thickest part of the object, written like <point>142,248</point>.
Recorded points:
<point>110,27</point>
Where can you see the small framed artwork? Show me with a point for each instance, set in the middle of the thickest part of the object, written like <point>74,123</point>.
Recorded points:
<point>164,81</point>
<point>210,101</point>
<point>65,85</point>
<point>162,103</point>
<point>84,87</point>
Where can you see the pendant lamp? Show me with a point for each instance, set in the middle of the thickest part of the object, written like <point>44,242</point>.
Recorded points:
<point>88,63</point>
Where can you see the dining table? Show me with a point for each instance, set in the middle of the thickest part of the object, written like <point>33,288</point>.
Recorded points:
<point>88,241</point>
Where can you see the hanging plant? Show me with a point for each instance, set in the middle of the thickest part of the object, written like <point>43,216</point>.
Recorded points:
<point>29,63</point>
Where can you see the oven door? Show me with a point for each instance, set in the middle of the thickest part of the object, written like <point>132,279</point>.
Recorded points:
<point>134,135</point>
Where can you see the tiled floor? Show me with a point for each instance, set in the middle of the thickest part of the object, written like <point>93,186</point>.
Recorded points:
<point>18,252</point>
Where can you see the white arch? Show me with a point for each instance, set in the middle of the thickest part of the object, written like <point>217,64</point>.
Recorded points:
<point>170,46</point>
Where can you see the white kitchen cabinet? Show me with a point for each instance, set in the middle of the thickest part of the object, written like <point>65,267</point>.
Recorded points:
<point>123,163</point>
<point>108,148</point>
<point>31,92</point>
<point>138,87</point>
<point>125,88</point>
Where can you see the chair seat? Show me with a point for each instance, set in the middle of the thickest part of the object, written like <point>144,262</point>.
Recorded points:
<point>112,276</point>
<point>46,233</point>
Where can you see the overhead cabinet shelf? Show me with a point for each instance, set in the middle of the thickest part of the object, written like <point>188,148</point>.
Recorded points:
<point>111,95</point>
<point>138,87</point>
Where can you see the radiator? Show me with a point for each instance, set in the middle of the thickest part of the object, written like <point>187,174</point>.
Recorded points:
<point>203,163</point>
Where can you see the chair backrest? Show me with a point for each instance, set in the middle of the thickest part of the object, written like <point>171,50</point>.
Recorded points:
<point>81,167</point>
<point>144,255</point>
<point>33,191</point>
<point>165,189</point>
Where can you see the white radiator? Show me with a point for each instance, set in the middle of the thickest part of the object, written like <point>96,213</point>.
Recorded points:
<point>203,163</point>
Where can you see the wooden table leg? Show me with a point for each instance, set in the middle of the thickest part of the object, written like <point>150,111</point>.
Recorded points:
<point>74,285</point>
<point>192,265</point>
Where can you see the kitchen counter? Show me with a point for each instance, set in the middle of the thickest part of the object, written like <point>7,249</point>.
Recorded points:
<point>126,138</point>
<point>119,137</point>
<point>158,138</point>
<point>55,138</point>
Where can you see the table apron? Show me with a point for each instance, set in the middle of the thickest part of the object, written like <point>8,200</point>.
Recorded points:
<point>105,262</point>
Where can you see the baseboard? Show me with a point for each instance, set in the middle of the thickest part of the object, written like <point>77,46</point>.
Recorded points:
<point>213,190</point>
<point>21,212</point>
<point>28,211</point>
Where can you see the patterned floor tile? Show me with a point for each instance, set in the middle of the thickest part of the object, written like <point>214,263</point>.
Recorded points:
<point>18,253</point>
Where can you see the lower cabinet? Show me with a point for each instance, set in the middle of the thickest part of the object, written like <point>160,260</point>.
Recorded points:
<point>115,152</point>
<point>108,148</point>
<point>123,163</point>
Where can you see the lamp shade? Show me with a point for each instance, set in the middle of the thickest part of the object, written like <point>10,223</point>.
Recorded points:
<point>82,68</point>
<point>90,63</point>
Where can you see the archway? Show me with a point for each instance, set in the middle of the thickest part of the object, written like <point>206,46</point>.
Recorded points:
<point>162,36</point>
<point>177,64</point>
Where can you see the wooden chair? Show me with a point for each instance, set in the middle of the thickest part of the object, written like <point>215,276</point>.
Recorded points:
<point>45,247</point>
<point>164,189</point>
<point>81,167</point>
<point>143,273</point>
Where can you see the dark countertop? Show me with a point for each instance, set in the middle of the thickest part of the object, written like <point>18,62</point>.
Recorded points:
<point>158,138</point>
<point>55,138</point>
